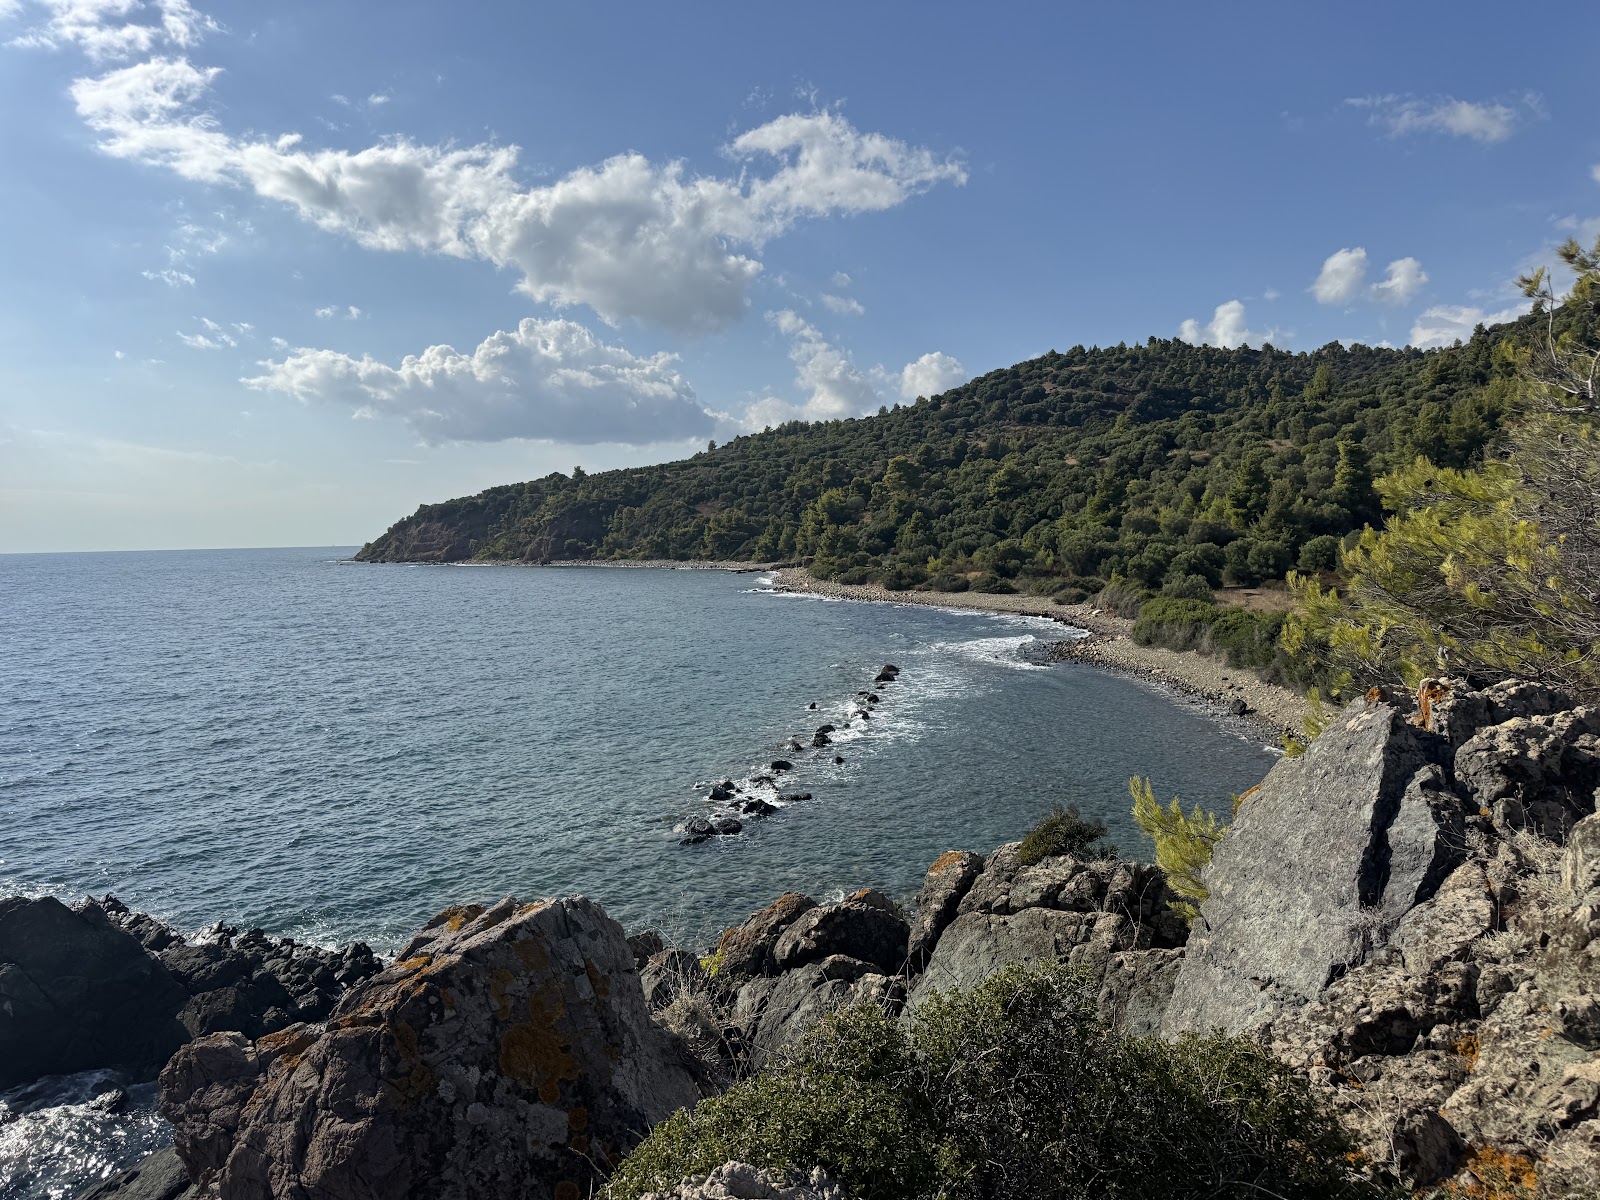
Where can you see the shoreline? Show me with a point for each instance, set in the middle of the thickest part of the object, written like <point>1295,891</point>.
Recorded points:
<point>1107,643</point>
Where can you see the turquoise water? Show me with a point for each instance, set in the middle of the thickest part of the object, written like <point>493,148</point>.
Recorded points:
<point>336,751</point>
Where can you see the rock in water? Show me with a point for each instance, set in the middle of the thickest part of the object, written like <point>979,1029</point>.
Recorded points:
<point>158,1176</point>
<point>77,992</point>
<point>1321,862</point>
<point>512,1056</point>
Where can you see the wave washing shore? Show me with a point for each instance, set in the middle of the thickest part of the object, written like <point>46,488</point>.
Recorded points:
<point>1109,644</point>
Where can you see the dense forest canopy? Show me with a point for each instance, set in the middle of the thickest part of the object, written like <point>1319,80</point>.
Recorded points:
<point>1146,462</point>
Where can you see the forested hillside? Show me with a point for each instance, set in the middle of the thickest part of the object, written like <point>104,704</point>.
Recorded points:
<point>1146,461</point>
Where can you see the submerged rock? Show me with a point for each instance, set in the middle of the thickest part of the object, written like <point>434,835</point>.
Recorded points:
<point>514,1057</point>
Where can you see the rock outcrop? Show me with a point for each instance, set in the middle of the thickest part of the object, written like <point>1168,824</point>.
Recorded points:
<point>78,992</point>
<point>1407,913</point>
<point>509,1052</point>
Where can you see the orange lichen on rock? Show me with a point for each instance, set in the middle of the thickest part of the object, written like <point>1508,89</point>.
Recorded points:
<point>1468,1048</point>
<point>534,1054</point>
<point>532,954</point>
<point>1430,693</point>
<point>947,860</point>
<point>499,986</point>
<point>1495,1174</point>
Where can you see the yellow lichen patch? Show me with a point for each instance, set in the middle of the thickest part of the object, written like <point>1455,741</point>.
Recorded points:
<point>535,1056</point>
<point>947,860</point>
<point>532,953</point>
<point>406,1039</point>
<point>414,964</point>
<point>598,980</point>
<point>1495,1174</point>
<point>294,1040</point>
<point>578,1118</point>
<point>447,998</point>
<point>579,1143</point>
<point>1468,1048</point>
<point>499,983</point>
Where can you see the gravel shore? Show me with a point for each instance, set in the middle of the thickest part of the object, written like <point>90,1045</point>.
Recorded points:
<point>1276,710</point>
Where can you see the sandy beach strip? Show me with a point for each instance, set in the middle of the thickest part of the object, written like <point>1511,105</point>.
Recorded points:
<point>1278,710</point>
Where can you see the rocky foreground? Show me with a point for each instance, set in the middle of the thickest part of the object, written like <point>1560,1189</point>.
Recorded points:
<point>1409,913</point>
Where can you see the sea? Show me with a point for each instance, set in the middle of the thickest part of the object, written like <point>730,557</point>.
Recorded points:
<point>335,751</point>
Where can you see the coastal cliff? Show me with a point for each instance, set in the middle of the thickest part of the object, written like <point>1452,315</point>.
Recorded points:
<point>1403,918</point>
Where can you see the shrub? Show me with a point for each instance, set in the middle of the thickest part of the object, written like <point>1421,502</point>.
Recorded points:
<point>1183,842</point>
<point>900,577</point>
<point>1015,1089</point>
<point>949,583</point>
<point>1065,831</point>
<point>857,575</point>
<point>1320,554</point>
<point>1070,595</point>
<point>992,583</point>
<point>1122,598</point>
<point>1186,587</point>
<point>1174,623</point>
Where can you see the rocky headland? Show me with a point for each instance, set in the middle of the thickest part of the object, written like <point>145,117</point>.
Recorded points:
<point>1408,914</point>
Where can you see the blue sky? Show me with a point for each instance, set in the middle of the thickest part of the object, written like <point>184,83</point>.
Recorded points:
<point>276,274</point>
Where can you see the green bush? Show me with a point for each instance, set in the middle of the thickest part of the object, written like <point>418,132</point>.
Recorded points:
<point>1320,554</point>
<point>1016,1089</point>
<point>949,583</point>
<point>992,583</point>
<point>1174,623</point>
<point>1065,831</point>
<point>1186,587</point>
<point>1070,595</point>
<point>1122,598</point>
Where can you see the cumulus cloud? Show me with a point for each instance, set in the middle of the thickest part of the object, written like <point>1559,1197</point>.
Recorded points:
<point>833,385</point>
<point>547,379</point>
<point>841,280</point>
<point>931,374</point>
<point>329,311</point>
<point>1341,277</point>
<point>171,276</point>
<point>1483,121</point>
<point>112,29</point>
<point>1445,324</point>
<point>1402,280</point>
<point>1225,329</point>
<point>629,238</point>
<point>844,306</point>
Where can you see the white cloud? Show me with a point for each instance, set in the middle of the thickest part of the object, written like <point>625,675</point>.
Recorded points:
<point>377,98</point>
<point>931,374</point>
<point>113,29</point>
<point>834,386</point>
<point>1484,121</point>
<point>329,312</point>
<point>1403,279</point>
<point>1445,324</point>
<point>844,306</point>
<point>171,277</point>
<point>279,343</point>
<point>628,238</point>
<point>545,379</point>
<point>1225,329</point>
<point>202,341</point>
<point>326,313</point>
<point>841,280</point>
<point>1595,171</point>
<point>1270,294</point>
<point>1341,276</point>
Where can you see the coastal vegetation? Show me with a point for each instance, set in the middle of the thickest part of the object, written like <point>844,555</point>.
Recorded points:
<point>1146,464</point>
<point>1490,569</point>
<point>1016,1088</point>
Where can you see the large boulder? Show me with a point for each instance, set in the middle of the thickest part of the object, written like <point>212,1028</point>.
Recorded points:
<point>771,1012</point>
<point>747,949</point>
<point>1322,862</point>
<point>158,1176</point>
<point>511,1054</point>
<point>1086,912</point>
<point>1535,773</point>
<point>865,925</point>
<point>77,992</point>
<point>943,889</point>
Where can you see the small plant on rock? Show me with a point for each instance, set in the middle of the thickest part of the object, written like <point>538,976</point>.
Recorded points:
<point>1065,831</point>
